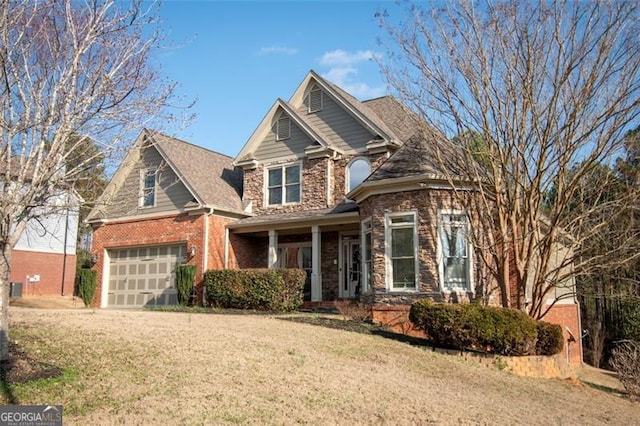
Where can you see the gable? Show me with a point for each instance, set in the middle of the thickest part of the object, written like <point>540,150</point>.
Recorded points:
<point>293,146</point>
<point>123,199</point>
<point>346,133</point>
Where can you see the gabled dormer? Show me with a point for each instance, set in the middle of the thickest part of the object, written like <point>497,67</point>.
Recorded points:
<point>321,130</point>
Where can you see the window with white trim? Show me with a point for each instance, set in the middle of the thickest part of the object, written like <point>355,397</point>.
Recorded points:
<point>402,251</point>
<point>367,257</point>
<point>283,185</point>
<point>147,192</point>
<point>455,262</point>
<point>315,100</point>
<point>283,127</point>
<point>357,171</point>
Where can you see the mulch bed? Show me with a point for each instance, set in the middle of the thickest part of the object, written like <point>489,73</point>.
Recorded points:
<point>22,368</point>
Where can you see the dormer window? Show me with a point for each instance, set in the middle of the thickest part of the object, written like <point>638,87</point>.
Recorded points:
<point>315,100</point>
<point>283,128</point>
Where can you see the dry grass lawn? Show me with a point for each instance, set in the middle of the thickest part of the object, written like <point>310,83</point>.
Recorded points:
<point>137,367</point>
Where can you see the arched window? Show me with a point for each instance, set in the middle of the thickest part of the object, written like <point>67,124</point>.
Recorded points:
<point>357,171</point>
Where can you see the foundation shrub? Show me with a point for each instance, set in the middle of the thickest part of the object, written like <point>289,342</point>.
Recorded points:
<point>550,339</point>
<point>185,274</point>
<point>86,285</point>
<point>476,327</point>
<point>260,289</point>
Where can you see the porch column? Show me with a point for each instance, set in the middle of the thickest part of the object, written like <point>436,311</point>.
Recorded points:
<point>316,273</point>
<point>273,249</point>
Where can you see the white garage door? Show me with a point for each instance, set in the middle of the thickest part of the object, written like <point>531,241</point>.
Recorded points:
<point>144,275</point>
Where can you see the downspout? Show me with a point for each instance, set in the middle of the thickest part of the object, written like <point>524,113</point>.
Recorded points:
<point>64,251</point>
<point>205,253</point>
<point>226,248</point>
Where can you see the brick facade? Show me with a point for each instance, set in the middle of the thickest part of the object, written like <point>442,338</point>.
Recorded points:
<point>57,272</point>
<point>568,317</point>
<point>182,228</point>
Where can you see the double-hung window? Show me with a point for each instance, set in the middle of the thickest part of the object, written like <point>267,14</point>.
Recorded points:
<point>283,185</point>
<point>455,264</point>
<point>147,197</point>
<point>402,251</point>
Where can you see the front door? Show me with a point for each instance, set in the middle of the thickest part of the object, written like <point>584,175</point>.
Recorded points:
<point>351,264</point>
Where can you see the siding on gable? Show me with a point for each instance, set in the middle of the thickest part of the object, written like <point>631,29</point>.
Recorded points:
<point>344,131</point>
<point>171,194</point>
<point>270,148</point>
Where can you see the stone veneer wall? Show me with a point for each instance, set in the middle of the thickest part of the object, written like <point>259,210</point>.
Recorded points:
<point>340,172</point>
<point>426,202</point>
<point>314,188</point>
<point>317,175</point>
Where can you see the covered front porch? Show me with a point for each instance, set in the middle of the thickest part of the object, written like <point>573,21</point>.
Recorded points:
<point>325,243</point>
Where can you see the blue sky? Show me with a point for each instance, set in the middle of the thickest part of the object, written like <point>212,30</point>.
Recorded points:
<point>237,58</point>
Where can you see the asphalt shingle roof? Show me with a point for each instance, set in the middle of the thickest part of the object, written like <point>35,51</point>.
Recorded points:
<point>426,153</point>
<point>209,174</point>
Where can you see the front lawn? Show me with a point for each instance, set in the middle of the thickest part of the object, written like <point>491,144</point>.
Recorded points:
<point>139,367</point>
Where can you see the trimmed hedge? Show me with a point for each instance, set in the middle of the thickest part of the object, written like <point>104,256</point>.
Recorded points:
<point>261,289</point>
<point>86,285</point>
<point>487,329</point>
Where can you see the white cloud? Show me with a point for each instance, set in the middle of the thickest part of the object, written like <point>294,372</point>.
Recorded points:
<point>342,57</point>
<point>343,72</point>
<point>278,50</point>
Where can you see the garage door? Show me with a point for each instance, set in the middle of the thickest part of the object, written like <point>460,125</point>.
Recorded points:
<point>144,275</point>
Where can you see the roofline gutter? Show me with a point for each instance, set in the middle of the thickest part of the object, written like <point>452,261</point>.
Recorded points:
<point>289,223</point>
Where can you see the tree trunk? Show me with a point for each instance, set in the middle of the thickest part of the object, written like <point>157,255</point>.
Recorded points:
<point>5,273</point>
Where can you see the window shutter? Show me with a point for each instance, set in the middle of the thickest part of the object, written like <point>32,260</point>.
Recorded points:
<point>315,100</point>
<point>283,128</point>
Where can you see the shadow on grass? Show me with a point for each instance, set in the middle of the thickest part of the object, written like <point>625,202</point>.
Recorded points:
<point>21,368</point>
<point>604,388</point>
<point>360,327</point>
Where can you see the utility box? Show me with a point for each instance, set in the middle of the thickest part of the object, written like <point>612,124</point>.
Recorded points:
<point>15,290</point>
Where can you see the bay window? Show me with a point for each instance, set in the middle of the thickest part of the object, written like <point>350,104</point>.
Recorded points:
<point>455,263</point>
<point>402,251</point>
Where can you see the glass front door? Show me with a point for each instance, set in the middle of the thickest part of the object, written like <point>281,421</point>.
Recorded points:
<point>351,266</point>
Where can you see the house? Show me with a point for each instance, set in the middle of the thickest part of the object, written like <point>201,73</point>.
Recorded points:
<point>349,191</point>
<point>167,204</point>
<point>44,259</point>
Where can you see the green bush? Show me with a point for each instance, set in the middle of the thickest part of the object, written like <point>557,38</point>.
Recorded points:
<point>86,285</point>
<point>261,289</point>
<point>476,327</point>
<point>185,275</point>
<point>550,339</point>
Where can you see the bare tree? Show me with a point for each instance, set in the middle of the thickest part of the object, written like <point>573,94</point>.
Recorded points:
<point>550,88</point>
<point>67,69</point>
